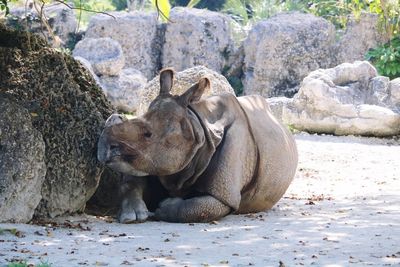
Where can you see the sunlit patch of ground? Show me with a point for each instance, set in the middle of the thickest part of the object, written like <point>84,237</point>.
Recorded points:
<point>342,209</point>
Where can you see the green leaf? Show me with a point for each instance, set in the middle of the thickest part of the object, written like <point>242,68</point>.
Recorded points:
<point>193,3</point>
<point>163,7</point>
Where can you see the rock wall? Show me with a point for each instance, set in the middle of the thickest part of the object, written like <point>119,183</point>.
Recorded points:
<point>271,61</point>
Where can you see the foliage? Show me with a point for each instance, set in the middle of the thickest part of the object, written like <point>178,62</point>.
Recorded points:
<point>4,6</point>
<point>252,10</point>
<point>335,11</point>
<point>389,15</point>
<point>193,3</point>
<point>119,4</point>
<point>214,5</point>
<point>93,5</point>
<point>386,58</point>
<point>163,7</point>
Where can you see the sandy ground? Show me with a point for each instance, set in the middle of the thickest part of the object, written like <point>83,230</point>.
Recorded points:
<point>342,209</point>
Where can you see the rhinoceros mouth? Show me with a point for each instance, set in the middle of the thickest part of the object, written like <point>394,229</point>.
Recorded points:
<point>124,167</point>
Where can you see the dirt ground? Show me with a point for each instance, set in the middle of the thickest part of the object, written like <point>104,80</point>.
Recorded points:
<point>342,209</point>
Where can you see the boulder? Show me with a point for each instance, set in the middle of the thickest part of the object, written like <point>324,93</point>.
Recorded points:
<point>277,104</point>
<point>394,87</point>
<point>360,35</point>
<point>67,108</point>
<point>104,54</point>
<point>349,99</point>
<point>22,166</point>
<point>88,66</point>
<point>138,35</point>
<point>182,81</point>
<point>61,20</point>
<point>197,37</point>
<point>380,91</point>
<point>282,50</point>
<point>124,90</point>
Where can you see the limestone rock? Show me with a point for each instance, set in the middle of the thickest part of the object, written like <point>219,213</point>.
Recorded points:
<point>138,35</point>
<point>104,54</point>
<point>380,92</point>
<point>395,92</point>
<point>182,81</point>
<point>197,37</point>
<point>348,99</point>
<point>88,66</point>
<point>124,90</point>
<point>282,50</point>
<point>69,111</point>
<point>277,104</point>
<point>360,35</point>
<point>22,166</point>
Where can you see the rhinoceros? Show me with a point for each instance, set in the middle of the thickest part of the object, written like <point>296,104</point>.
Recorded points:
<point>203,157</point>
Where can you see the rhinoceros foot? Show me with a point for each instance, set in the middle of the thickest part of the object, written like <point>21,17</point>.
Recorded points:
<point>133,211</point>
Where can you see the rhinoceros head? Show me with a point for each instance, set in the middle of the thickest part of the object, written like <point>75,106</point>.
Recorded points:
<point>162,141</point>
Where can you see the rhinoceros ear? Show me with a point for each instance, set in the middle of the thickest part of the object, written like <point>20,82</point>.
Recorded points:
<point>194,93</point>
<point>166,81</point>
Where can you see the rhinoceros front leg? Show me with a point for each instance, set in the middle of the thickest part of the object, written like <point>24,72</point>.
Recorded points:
<point>196,209</point>
<point>133,208</point>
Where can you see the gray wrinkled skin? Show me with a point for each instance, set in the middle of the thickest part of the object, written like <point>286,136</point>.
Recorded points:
<point>212,156</point>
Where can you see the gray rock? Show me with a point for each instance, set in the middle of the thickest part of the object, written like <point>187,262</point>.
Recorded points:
<point>380,91</point>
<point>345,100</point>
<point>395,92</point>
<point>234,70</point>
<point>277,104</point>
<point>88,66</point>
<point>124,90</point>
<point>282,50</point>
<point>197,37</point>
<point>22,166</point>
<point>136,32</point>
<point>182,81</point>
<point>360,35</point>
<point>104,54</point>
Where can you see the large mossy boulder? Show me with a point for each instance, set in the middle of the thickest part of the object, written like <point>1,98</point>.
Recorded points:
<point>66,107</point>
